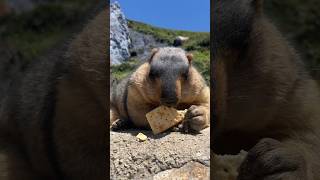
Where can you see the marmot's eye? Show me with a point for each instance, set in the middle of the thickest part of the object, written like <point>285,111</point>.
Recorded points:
<point>185,75</point>
<point>152,75</point>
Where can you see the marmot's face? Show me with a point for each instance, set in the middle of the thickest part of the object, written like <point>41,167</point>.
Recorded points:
<point>169,72</point>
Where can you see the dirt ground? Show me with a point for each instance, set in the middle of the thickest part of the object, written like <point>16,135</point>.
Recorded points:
<point>168,156</point>
<point>161,156</point>
<point>164,157</point>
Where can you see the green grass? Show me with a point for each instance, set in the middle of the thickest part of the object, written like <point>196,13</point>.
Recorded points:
<point>198,45</point>
<point>121,71</point>
<point>202,63</point>
<point>197,41</point>
<point>34,32</point>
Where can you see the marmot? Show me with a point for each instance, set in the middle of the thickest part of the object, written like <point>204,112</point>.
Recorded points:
<point>169,79</point>
<point>263,91</point>
<point>53,115</point>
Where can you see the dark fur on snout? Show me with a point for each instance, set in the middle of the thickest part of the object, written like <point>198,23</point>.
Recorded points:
<point>169,71</point>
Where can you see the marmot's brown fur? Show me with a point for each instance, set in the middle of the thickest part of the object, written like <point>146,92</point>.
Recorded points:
<point>53,115</point>
<point>168,78</point>
<point>263,91</point>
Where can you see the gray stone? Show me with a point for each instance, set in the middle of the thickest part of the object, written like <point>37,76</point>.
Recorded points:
<point>225,167</point>
<point>131,159</point>
<point>192,170</point>
<point>171,155</point>
<point>119,35</point>
<point>142,44</point>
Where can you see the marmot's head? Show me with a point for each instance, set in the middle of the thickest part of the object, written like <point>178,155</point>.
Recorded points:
<point>169,69</point>
<point>233,21</point>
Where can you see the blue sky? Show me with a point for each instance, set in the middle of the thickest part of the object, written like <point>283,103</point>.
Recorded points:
<point>191,15</point>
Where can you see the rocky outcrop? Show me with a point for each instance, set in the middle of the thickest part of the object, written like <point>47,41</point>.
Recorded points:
<point>165,155</point>
<point>126,42</point>
<point>119,35</point>
<point>225,167</point>
<point>192,170</point>
<point>142,44</point>
<point>170,155</point>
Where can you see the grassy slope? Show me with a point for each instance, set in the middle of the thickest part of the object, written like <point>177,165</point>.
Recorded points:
<point>34,32</point>
<point>198,44</point>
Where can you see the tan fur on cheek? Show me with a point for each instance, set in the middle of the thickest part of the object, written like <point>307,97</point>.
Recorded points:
<point>178,89</point>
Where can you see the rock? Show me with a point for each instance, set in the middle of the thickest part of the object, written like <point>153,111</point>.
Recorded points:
<point>225,167</point>
<point>179,40</point>
<point>142,44</point>
<point>192,170</point>
<point>119,35</point>
<point>183,153</point>
<point>126,42</point>
<point>170,155</point>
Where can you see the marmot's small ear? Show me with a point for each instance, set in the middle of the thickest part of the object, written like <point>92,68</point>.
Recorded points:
<point>258,4</point>
<point>153,52</point>
<point>190,57</point>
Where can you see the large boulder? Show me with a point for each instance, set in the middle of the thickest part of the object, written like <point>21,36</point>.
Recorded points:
<point>170,155</point>
<point>119,35</point>
<point>164,156</point>
<point>142,44</point>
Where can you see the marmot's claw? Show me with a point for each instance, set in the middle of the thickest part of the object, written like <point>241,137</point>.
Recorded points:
<point>118,124</point>
<point>178,128</point>
<point>195,119</point>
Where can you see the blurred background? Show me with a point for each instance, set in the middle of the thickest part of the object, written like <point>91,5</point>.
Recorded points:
<point>30,27</point>
<point>299,20</point>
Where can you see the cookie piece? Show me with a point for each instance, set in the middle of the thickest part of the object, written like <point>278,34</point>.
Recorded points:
<point>163,118</point>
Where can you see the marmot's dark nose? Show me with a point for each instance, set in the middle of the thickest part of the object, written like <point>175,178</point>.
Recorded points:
<point>170,102</point>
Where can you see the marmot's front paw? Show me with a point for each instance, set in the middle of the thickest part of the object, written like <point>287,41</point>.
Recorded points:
<point>196,118</point>
<point>119,124</point>
<point>271,159</point>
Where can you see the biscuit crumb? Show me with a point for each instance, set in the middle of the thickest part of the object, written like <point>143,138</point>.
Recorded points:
<point>142,137</point>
